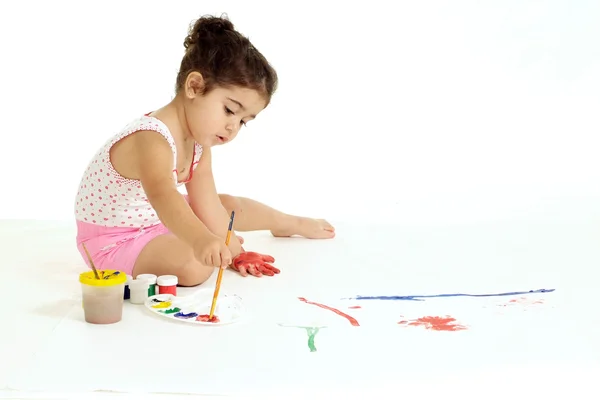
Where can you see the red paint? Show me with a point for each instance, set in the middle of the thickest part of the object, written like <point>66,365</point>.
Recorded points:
<point>256,264</point>
<point>168,290</point>
<point>353,321</point>
<point>206,318</point>
<point>435,323</point>
<point>523,301</point>
<point>355,307</point>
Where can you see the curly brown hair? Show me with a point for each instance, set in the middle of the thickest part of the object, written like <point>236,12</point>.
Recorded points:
<point>224,57</point>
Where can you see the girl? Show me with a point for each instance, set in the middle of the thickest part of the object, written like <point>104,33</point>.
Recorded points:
<point>129,212</point>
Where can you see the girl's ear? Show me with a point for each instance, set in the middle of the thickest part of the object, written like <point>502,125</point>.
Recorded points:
<point>194,85</point>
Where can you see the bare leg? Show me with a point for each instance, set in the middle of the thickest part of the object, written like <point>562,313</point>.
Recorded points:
<point>168,255</point>
<point>250,215</point>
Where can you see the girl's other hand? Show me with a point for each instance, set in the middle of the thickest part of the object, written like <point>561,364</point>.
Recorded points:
<point>254,263</point>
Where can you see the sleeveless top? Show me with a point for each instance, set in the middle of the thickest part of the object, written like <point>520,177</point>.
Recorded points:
<point>105,198</point>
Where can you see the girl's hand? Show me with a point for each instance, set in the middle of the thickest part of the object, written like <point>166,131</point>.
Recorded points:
<point>254,263</point>
<point>212,251</point>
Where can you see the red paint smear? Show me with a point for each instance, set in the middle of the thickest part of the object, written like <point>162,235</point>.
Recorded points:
<point>523,301</point>
<point>355,307</point>
<point>207,318</point>
<point>353,321</point>
<point>435,323</point>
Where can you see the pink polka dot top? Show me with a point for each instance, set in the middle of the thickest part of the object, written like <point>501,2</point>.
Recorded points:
<point>106,198</point>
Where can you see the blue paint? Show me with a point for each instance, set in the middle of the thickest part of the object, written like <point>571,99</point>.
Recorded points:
<point>109,275</point>
<point>186,316</point>
<point>420,297</point>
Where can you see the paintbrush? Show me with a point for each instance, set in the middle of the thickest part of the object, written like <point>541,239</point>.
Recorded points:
<point>91,262</point>
<point>220,276</point>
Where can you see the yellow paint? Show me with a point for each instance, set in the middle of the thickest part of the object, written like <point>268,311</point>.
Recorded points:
<point>88,278</point>
<point>164,304</point>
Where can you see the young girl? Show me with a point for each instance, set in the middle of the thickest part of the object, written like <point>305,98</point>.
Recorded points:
<point>129,212</point>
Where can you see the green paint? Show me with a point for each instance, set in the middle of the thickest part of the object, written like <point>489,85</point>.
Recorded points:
<point>171,310</point>
<point>151,290</point>
<point>311,331</point>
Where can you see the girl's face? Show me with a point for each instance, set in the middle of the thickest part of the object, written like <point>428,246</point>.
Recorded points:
<point>216,117</point>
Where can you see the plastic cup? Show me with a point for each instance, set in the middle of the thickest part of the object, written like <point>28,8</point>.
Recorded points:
<point>103,298</point>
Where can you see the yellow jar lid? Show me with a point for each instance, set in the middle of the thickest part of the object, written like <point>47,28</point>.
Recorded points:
<point>108,277</point>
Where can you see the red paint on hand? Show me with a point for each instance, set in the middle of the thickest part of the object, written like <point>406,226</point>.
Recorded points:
<point>355,307</point>
<point>254,263</point>
<point>353,321</point>
<point>435,323</point>
<point>207,318</point>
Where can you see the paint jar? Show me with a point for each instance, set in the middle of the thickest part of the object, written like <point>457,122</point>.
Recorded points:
<point>102,298</point>
<point>139,291</point>
<point>167,284</point>
<point>126,294</point>
<point>151,278</point>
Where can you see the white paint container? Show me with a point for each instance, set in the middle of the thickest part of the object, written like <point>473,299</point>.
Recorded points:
<point>151,278</point>
<point>138,290</point>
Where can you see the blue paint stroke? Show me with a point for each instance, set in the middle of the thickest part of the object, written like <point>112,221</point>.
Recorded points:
<point>186,316</point>
<point>420,297</point>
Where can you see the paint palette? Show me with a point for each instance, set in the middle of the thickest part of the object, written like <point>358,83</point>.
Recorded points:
<point>195,308</point>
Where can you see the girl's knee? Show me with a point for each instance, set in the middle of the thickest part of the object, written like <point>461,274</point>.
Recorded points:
<point>194,274</point>
<point>231,203</point>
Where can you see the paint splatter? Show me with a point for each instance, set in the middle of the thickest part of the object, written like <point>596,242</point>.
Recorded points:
<point>523,301</point>
<point>354,307</point>
<point>186,316</point>
<point>420,297</point>
<point>164,304</point>
<point>435,323</point>
<point>170,310</point>
<point>352,320</point>
<point>207,318</point>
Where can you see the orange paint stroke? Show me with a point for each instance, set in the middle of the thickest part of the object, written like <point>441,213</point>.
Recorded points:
<point>352,320</point>
<point>435,323</point>
<point>355,307</point>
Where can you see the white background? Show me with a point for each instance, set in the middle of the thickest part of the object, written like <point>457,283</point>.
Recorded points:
<point>418,111</point>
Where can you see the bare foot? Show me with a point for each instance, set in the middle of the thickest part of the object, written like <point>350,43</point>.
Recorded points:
<point>307,227</point>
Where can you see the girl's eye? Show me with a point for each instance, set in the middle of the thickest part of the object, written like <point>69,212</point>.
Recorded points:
<point>228,111</point>
<point>242,122</point>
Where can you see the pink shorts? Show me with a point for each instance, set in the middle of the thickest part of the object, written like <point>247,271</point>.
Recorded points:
<point>115,248</point>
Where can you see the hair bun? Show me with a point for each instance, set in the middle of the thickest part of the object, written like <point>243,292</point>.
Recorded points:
<point>216,25</point>
<point>206,28</point>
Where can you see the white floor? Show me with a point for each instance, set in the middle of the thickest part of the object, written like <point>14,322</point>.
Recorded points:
<point>536,346</point>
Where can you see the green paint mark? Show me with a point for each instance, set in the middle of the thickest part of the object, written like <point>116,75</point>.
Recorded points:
<point>311,331</point>
<point>170,311</point>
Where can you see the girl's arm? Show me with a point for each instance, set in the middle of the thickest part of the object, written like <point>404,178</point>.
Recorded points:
<point>206,203</point>
<point>152,163</point>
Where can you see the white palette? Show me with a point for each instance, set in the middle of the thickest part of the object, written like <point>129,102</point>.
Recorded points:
<point>189,309</point>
